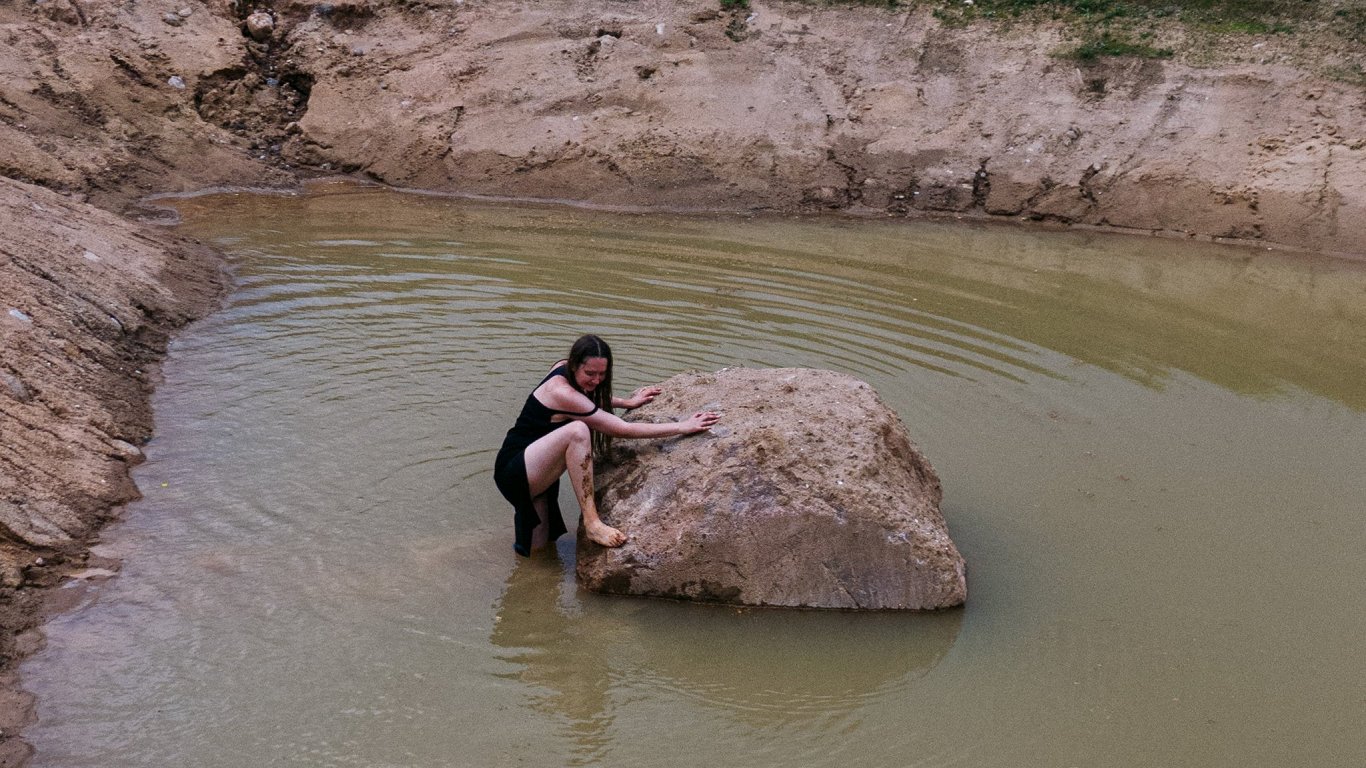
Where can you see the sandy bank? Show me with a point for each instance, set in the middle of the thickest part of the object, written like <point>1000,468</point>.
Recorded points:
<point>642,104</point>
<point>788,106</point>
<point>88,304</point>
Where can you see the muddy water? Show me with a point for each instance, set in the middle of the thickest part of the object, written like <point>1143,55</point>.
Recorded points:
<point>1151,452</point>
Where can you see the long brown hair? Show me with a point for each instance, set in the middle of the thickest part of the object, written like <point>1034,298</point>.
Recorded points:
<point>585,347</point>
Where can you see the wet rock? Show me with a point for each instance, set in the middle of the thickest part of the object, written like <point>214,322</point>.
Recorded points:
<point>809,493</point>
<point>94,574</point>
<point>127,451</point>
<point>260,25</point>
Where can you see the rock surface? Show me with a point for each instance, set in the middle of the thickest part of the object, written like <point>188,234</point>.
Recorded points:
<point>809,493</point>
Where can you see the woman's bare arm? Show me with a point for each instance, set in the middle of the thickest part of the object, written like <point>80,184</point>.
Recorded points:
<point>559,395</point>
<point>611,424</point>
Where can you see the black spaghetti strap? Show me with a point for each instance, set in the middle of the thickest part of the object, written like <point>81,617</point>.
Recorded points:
<point>562,370</point>
<point>574,413</point>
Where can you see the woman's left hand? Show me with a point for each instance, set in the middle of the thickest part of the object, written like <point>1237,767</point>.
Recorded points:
<point>641,397</point>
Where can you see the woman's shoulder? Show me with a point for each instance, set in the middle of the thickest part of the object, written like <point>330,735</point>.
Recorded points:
<point>557,392</point>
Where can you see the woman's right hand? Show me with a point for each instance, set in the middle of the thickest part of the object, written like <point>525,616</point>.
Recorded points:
<point>698,422</point>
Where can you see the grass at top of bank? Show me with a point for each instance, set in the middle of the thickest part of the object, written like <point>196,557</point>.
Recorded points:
<point>1131,27</point>
<point>1229,16</point>
<point>1250,16</point>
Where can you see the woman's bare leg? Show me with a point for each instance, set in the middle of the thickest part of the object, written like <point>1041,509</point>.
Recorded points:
<point>540,535</point>
<point>570,448</point>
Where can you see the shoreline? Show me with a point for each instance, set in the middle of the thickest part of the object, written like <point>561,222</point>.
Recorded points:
<point>847,214</point>
<point>84,333</point>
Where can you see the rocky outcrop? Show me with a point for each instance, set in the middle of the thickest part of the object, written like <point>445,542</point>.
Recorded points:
<point>808,494</point>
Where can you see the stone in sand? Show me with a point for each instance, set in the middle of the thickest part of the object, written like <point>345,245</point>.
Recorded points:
<point>260,25</point>
<point>809,493</point>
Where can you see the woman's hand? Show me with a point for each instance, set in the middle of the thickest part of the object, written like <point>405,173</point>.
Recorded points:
<point>640,397</point>
<point>698,422</point>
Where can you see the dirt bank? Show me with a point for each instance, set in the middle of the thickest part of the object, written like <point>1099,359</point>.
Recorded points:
<point>87,301</point>
<point>784,106</point>
<point>654,103</point>
<point>789,106</point>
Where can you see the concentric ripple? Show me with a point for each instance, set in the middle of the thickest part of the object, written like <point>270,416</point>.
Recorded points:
<point>1150,455</point>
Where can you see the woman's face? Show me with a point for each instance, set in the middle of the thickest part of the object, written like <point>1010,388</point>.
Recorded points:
<point>591,373</point>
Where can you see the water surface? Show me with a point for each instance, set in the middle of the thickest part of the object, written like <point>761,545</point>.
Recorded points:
<point>1151,453</point>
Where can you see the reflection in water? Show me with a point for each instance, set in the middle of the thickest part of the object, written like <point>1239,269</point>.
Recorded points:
<point>1151,456</point>
<point>772,667</point>
<point>564,657</point>
<point>766,668</point>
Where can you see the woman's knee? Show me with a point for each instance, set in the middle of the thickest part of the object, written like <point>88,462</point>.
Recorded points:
<point>579,433</point>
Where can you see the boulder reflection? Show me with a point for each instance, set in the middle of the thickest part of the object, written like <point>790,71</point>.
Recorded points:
<point>585,654</point>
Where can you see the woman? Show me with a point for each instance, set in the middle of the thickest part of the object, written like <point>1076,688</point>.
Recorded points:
<point>565,420</point>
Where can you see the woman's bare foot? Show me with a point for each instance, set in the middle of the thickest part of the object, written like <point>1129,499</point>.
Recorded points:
<point>604,534</point>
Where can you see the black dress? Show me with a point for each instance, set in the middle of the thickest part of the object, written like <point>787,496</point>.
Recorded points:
<point>509,469</point>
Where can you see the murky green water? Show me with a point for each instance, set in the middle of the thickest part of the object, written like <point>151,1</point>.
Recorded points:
<point>1152,455</point>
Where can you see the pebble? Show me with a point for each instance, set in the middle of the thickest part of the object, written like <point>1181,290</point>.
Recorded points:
<point>260,25</point>
<point>173,19</point>
<point>91,256</point>
<point>176,82</point>
<point>20,316</point>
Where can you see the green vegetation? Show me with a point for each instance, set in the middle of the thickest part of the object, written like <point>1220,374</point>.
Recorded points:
<point>1251,14</point>
<point>1227,16</point>
<point>1352,22</point>
<point>1248,16</point>
<point>1107,45</point>
<point>1327,35</point>
<point>1130,27</point>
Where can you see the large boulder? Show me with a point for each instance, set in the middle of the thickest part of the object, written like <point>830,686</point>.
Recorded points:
<point>808,493</point>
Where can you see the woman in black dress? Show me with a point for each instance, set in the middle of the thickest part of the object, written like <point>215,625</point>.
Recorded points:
<point>563,421</point>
